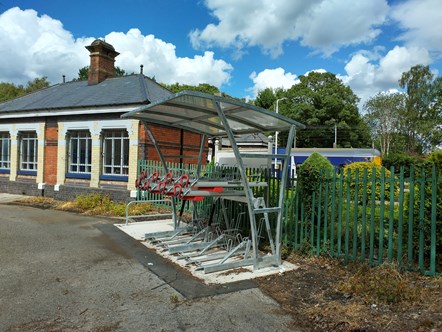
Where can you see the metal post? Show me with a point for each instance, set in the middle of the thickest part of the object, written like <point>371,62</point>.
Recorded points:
<point>247,189</point>
<point>276,135</point>
<point>285,168</point>
<point>166,169</point>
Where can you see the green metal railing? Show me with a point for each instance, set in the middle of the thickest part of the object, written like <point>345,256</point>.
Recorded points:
<point>363,217</point>
<point>389,217</point>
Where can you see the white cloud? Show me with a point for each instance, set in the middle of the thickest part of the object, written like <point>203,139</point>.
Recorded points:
<point>34,46</point>
<point>160,60</point>
<point>422,23</point>
<point>272,78</point>
<point>367,76</point>
<point>325,25</point>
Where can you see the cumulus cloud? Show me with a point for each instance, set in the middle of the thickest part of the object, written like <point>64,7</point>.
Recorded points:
<point>324,25</point>
<point>272,78</point>
<point>34,46</point>
<point>368,73</point>
<point>160,60</point>
<point>421,22</point>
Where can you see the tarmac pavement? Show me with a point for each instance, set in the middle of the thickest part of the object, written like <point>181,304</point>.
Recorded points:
<point>62,271</point>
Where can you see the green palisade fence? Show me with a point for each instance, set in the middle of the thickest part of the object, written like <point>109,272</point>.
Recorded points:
<point>362,217</point>
<point>387,217</point>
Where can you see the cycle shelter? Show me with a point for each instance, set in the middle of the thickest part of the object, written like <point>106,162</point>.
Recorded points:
<point>214,247</point>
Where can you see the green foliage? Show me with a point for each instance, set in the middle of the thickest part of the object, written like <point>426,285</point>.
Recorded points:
<point>10,91</point>
<point>357,169</point>
<point>383,114</point>
<point>398,160</point>
<point>312,174</point>
<point>84,72</point>
<point>37,84</point>
<point>321,100</point>
<point>422,119</point>
<point>203,87</point>
<point>267,98</point>
<point>425,208</point>
<point>98,204</point>
<point>312,171</point>
<point>436,158</point>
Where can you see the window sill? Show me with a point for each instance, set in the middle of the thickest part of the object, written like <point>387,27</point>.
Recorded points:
<point>78,176</point>
<point>124,178</point>
<point>5,171</point>
<point>34,173</point>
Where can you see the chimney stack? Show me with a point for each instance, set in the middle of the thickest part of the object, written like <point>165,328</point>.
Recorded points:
<point>102,61</point>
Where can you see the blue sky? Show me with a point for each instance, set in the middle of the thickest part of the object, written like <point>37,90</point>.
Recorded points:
<point>240,46</point>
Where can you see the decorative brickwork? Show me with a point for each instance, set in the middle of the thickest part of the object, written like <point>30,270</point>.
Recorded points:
<point>102,61</point>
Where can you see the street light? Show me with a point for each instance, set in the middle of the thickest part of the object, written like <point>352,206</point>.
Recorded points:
<point>276,134</point>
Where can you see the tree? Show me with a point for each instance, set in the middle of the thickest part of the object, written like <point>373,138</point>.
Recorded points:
<point>421,122</point>
<point>202,87</point>
<point>37,84</point>
<point>267,98</point>
<point>10,91</point>
<point>321,101</point>
<point>383,114</point>
<point>84,72</point>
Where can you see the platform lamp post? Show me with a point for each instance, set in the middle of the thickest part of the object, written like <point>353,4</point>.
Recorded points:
<point>276,135</point>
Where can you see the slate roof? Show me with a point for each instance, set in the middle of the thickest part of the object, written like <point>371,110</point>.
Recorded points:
<point>117,91</point>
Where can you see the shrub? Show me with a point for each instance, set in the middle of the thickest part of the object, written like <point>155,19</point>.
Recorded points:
<point>406,161</point>
<point>350,171</point>
<point>425,224</point>
<point>88,202</point>
<point>311,173</point>
<point>97,204</point>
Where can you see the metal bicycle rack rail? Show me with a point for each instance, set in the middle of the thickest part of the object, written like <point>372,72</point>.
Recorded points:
<point>211,246</point>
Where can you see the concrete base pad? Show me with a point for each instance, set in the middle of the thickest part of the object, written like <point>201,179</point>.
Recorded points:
<point>138,230</point>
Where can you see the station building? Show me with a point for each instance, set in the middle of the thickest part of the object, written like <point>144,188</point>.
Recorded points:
<point>68,139</point>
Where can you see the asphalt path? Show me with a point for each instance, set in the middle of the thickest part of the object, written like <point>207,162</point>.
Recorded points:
<point>62,271</point>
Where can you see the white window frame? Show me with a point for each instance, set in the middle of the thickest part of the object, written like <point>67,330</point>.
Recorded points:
<point>28,151</point>
<point>79,163</point>
<point>116,143</point>
<point>5,151</point>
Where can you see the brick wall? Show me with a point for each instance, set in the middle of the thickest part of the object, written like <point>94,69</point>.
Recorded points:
<point>20,187</point>
<point>169,141</point>
<point>50,153</point>
<point>65,193</point>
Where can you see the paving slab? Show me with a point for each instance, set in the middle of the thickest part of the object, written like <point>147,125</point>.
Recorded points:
<point>138,230</point>
<point>9,198</point>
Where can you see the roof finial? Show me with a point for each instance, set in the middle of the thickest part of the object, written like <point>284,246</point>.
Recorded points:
<point>141,69</point>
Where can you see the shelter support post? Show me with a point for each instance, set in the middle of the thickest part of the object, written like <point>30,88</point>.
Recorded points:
<point>247,189</point>
<point>166,169</point>
<point>284,178</point>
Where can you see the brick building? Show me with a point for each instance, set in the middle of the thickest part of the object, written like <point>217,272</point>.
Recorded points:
<point>69,139</point>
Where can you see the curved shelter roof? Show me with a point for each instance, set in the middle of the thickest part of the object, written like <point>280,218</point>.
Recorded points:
<point>199,112</point>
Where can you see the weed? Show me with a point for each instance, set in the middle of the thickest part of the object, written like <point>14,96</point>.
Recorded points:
<point>381,284</point>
